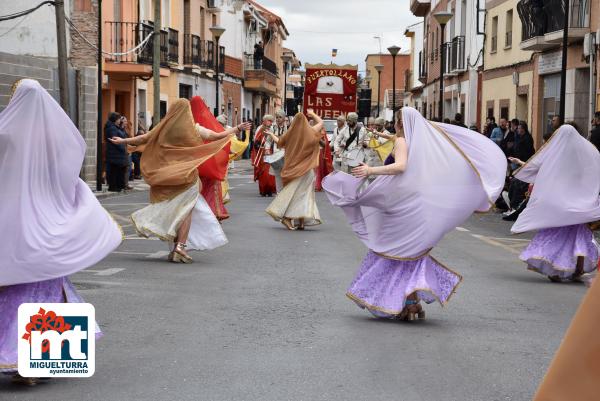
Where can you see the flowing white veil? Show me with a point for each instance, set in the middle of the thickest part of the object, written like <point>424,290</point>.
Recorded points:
<point>52,223</point>
<point>566,177</point>
<point>451,172</point>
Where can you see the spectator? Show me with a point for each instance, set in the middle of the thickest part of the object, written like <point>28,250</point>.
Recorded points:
<point>490,124</point>
<point>556,123</point>
<point>458,120</point>
<point>517,189</point>
<point>259,53</point>
<point>595,136</point>
<point>524,145</point>
<point>447,121</point>
<point>500,133</point>
<point>117,158</point>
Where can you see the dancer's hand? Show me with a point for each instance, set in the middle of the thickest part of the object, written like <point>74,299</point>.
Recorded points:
<point>361,171</point>
<point>244,126</point>
<point>117,140</point>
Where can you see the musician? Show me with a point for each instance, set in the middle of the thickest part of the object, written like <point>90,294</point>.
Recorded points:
<point>348,140</point>
<point>266,181</point>
<point>340,129</point>
<point>276,159</point>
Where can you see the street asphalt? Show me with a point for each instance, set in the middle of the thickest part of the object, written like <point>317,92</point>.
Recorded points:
<point>265,318</point>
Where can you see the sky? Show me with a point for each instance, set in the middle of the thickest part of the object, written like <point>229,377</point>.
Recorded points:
<point>317,26</point>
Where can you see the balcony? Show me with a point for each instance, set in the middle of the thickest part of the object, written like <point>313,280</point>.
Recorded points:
<point>420,8</point>
<point>207,55</point>
<point>120,37</point>
<point>423,67</point>
<point>457,64</point>
<point>447,49</point>
<point>543,23</point>
<point>260,75</point>
<point>212,6</point>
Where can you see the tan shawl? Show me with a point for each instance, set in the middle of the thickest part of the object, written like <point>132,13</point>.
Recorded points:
<point>574,372</point>
<point>173,152</point>
<point>301,143</point>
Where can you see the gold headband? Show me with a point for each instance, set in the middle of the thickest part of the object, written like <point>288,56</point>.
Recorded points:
<point>14,88</point>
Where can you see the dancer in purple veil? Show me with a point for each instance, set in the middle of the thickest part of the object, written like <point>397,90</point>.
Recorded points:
<point>564,198</point>
<point>435,178</point>
<point>55,223</point>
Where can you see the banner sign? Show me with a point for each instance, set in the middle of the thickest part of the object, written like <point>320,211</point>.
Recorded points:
<point>330,90</point>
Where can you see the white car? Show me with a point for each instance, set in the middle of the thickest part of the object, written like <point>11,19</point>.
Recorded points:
<point>329,127</point>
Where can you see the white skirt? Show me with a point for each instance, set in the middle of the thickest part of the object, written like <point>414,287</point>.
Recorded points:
<point>297,201</point>
<point>162,220</point>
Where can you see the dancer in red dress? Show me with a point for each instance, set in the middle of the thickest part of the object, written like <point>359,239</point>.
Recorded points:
<point>325,161</point>
<point>266,181</point>
<point>213,171</point>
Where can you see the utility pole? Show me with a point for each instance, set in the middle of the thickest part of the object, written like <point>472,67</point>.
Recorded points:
<point>99,105</point>
<point>156,63</point>
<point>61,42</point>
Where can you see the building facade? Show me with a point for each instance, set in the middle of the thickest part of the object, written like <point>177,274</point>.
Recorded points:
<point>382,94</point>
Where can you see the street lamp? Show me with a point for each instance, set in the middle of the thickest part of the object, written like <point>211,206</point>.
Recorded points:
<point>217,32</point>
<point>286,59</point>
<point>442,17</point>
<point>378,68</point>
<point>394,52</point>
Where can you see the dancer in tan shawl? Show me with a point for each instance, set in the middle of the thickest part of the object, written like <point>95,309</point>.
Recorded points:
<point>297,199</point>
<point>172,151</point>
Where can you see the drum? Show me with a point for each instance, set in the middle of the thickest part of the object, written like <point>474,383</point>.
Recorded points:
<point>276,159</point>
<point>354,157</point>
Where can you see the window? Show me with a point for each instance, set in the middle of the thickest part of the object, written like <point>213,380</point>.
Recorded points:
<point>185,91</point>
<point>165,9</point>
<point>504,112</point>
<point>509,24</point>
<point>463,18</point>
<point>494,37</point>
<point>82,5</point>
<point>163,108</point>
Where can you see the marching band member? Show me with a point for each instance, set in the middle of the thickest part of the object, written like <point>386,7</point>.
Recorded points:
<point>348,141</point>
<point>276,155</point>
<point>340,129</point>
<point>266,181</point>
<point>377,137</point>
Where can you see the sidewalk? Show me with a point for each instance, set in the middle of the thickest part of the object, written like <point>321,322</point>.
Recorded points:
<point>240,167</point>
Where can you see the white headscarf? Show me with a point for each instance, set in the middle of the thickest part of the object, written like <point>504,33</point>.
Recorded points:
<point>566,177</point>
<point>52,223</point>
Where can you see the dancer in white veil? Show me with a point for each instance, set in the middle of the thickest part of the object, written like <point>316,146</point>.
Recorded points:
<point>53,224</point>
<point>565,174</point>
<point>436,177</point>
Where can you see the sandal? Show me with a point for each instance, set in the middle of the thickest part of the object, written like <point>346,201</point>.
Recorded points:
<point>180,255</point>
<point>288,224</point>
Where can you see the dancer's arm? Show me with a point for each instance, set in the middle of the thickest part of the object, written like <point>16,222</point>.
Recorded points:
<point>210,135</point>
<point>318,121</point>
<point>135,141</point>
<point>399,166</point>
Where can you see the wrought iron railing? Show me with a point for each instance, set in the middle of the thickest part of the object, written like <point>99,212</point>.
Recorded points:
<point>173,46</point>
<point>191,50</point>
<point>458,53</point>
<point>207,54</point>
<point>539,18</point>
<point>124,36</point>
<point>422,65</point>
<point>222,59</point>
<point>447,49</point>
<point>251,63</point>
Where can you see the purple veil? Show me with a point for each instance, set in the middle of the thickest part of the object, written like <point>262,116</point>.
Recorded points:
<point>52,224</point>
<point>451,172</point>
<point>565,172</point>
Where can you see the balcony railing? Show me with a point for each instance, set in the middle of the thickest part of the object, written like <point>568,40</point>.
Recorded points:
<point>539,18</point>
<point>124,36</point>
<point>458,54</point>
<point>173,46</point>
<point>191,50</point>
<point>207,54</point>
<point>250,63</point>
<point>447,49</point>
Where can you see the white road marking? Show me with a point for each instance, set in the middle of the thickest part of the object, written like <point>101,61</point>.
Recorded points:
<point>121,218</point>
<point>462,229</point>
<point>158,255</point>
<point>105,272</point>
<point>496,243</point>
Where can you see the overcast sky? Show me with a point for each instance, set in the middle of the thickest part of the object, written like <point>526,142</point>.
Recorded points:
<point>317,26</point>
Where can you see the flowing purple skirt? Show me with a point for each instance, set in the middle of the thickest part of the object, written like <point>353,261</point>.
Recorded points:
<point>554,251</point>
<point>57,290</point>
<point>382,285</point>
